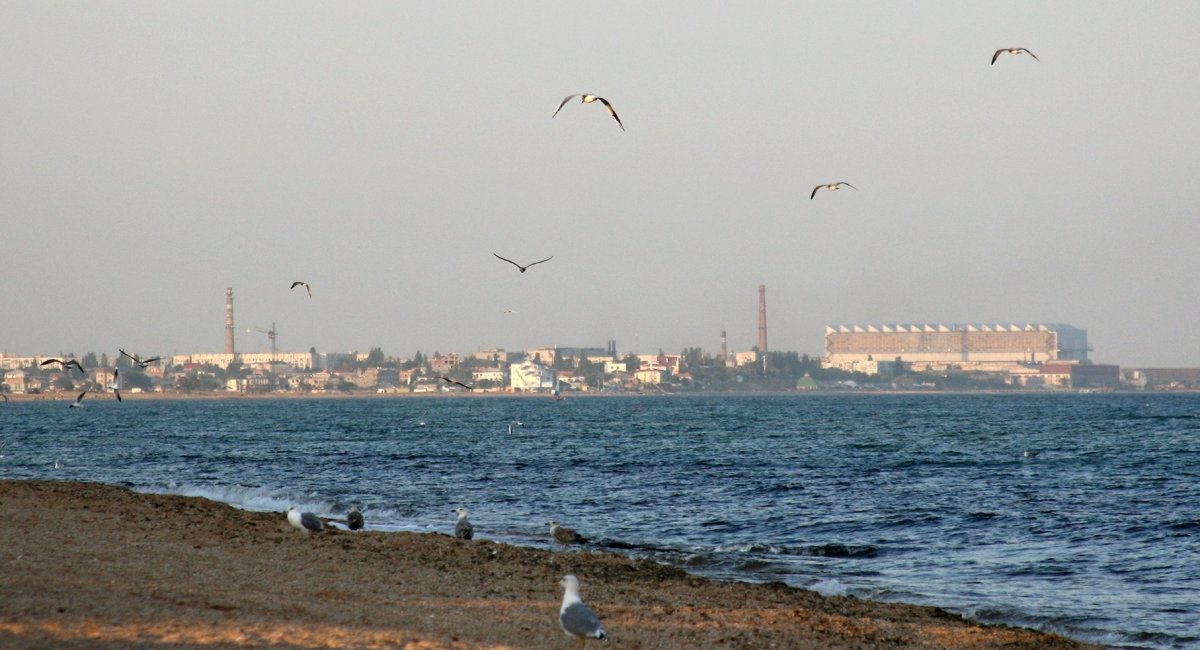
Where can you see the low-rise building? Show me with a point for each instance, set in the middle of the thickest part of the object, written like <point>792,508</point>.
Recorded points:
<point>531,377</point>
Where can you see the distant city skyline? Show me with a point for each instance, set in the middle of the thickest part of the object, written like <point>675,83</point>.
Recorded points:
<point>155,153</point>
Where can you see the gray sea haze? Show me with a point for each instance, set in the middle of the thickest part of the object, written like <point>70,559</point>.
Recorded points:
<point>917,498</point>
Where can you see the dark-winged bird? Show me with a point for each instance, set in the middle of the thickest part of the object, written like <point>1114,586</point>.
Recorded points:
<point>585,98</point>
<point>457,383</point>
<point>522,268</point>
<point>138,360</point>
<point>66,365</point>
<point>1014,51</point>
<point>354,520</point>
<point>832,187</point>
<point>564,535</point>
<point>302,284</point>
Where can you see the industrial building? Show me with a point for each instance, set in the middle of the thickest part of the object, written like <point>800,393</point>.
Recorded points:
<point>996,348</point>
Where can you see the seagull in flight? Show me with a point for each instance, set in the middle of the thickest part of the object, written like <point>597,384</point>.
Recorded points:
<point>1013,51</point>
<point>523,268</point>
<point>458,383</point>
<point>512,426</point>
<point>78,403</point>
<point>585,98</point>
<point>832,187</point>
<point>307,288</point>
<point>115,386</point>
<point>138,360</point>
<point>66,365</point>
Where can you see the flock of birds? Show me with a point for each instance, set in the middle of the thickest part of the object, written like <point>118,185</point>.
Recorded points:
<point>575,617</point>
<point>114,385</point>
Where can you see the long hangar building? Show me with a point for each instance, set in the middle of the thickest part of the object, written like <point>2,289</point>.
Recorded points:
<point>998,348</point>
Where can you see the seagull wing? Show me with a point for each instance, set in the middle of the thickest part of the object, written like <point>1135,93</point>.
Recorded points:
<point>611,112</point>
<point>145,362</point>
<point>847,185</point>
<point>997,55</point>
<point>509,261</point>
<point>80,398</point>
<point>1030,54</point>
<point>814,192</point>
<point>540,261</point>
<point>49,361</point>
<point>563,103</point>
<point>135,359</point>
<point>117,392</point>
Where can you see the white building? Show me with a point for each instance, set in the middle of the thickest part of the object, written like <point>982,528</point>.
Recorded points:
<point>529,376</point>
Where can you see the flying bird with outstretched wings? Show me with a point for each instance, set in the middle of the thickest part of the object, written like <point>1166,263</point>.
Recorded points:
<point>523,268</point>
<point>1014,51</point>
<point>457,383</point>
<point>832,187</point>
<point>585,98</point>
<point>307,288</point>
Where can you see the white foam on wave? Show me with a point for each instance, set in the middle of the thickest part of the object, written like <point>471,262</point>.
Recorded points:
<point>253,498</point>
<point>830,587</point>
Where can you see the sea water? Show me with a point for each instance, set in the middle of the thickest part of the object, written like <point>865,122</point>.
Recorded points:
<point>926,499</point>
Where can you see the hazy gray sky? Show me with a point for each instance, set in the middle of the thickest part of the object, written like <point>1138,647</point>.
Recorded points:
<point>153,153</point>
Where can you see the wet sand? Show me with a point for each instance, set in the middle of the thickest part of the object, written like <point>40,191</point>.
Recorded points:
<point>84,565</point>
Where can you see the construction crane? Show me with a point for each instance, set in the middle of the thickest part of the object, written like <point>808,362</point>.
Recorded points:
<point>271,334</point>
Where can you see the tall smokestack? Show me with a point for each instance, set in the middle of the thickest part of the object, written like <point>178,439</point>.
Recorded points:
<point>724,349</point>
<point>229,320</point>
<point>762,319</point>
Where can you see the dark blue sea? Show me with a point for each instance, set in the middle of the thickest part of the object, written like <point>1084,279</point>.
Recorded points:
<point>923,499</point>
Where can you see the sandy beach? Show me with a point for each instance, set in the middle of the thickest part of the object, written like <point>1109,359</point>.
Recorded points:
<point>97,566</point>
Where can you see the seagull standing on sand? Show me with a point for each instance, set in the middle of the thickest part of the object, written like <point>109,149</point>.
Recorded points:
<point>354,520</point>
<point>1014,51</point>
<point>463,528</point>
<point>78,403</point>
<point>564,535</point>
<point>302,284</point>
<point>585,98</point>
<point>305,521</point>
<point>832,187</point>
<point>577,619</point>
<point>523,268</point>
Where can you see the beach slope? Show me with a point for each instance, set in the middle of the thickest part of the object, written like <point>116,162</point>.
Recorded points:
<point>85,565</point>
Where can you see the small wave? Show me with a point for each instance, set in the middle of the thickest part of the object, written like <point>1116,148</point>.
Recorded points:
<point>829,587</point>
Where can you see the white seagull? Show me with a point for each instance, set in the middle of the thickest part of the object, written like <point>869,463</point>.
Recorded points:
<point>832,187</point>
<point>302,284</point>
<point>115,385</point>
<point>463,528</point>
<point>585,98</point>
<point>1014,51</point>
<point>305,521</point>
<point>78,403</point>
<point>577,619</point>
<point>512,426</point>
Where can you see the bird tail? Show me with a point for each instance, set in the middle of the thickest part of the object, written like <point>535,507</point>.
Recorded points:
<point>602,635</point>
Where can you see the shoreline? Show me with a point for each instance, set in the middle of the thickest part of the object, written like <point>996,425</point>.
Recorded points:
<point>19,398</point>
<point>100,566</point>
